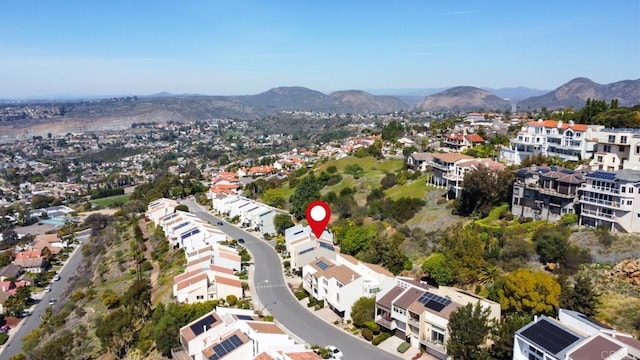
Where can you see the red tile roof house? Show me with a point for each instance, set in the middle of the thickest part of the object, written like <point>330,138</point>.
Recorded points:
<point>31,260</point>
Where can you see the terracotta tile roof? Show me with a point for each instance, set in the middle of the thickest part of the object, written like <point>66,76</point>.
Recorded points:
<point>201,278</point>
<point>221,269</point>
<point>451,157</point>
<point>475,138</point>
<point>303,355</point>
<point>422,156</point>
<point>228,281</point>
<point>493,165</point>
<point>186,275</point>
<point>49,238</point>
<point>29,254</point>
<point>265,327</point>
<point>230,256</point>
<point>596,345</point>
<point>200,251</point>
<point>554,124</point>
<point>198,261</point>
<point>263,356</point>
<point>389,296</point>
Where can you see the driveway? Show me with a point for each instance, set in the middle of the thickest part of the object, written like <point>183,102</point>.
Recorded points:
<point>275,296</point>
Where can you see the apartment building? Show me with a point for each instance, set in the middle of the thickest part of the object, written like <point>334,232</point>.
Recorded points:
<point>568,141</point>
<point>251,213</point>
<point>341,282</point>
<point>304,247</point>
<point>616,149</point>
<point>546,192</point>
<point>233,334</point>
<point>160,208</point>
<point>611,199</point>
<point>572,336</point>
<point>419,313</point>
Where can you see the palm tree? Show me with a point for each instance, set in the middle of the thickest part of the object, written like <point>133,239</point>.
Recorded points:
<point>489,275</point>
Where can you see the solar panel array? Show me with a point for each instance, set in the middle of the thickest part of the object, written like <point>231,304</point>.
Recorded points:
<point>550,337</point>
<point>433,301</point>
<point>192,232</point>
<point>181,225</point>
<point>322,265</point>
<point>327,246</point>
<point>305,251</point>
<point>244,317</point>
<point>199,327</point>
<point>225,347</point>
<point>602,175</point>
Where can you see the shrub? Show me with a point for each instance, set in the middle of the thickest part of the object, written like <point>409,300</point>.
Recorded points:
<point>371,325</point>
<point>367,334</point>
<point>3,338</point>
<point>300,295</point>
<point>380,338</point>
<point>232,300</point>
<point>402,348</point>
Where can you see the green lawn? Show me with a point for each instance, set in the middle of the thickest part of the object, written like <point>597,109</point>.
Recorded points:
<point>110,201</point>
<point>414,188</point>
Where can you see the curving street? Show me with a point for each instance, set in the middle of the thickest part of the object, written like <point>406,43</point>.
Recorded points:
<point>13,345</point>
<point>275,296</point>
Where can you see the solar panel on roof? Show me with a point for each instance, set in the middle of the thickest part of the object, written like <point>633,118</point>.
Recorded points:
<point>433,301</point>
<point>322,265</point>
<point>244,317</point>
<point>225,347</point>
<point>326,246</point>
<point>602,175</point>
<point>549,336</point>
<point>199,327</point>
<point>306,251</point>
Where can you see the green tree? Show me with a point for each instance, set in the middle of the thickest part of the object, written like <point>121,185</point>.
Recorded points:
<point>275,198</point>
<point>528,292</point>
<point>551,243</point>
<point>363,310</point>
<point>5,259</point>
<point>282,222</point>
<point>182,207</point>
<point>484,189</point>
<point>468,329</point>
<point>502,335</point>
<point>581,297</point>
<point>438,268</point>
<point>307,190</point>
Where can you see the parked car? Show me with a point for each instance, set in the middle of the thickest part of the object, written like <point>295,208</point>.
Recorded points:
<point>47,288</point>
<point>56,278</point>
<point>52,301</point>
<point>220,223</point>
<point>241,241</point>
<point>335,352</point>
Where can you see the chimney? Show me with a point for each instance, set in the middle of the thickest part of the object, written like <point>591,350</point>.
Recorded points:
<point>560,124</point>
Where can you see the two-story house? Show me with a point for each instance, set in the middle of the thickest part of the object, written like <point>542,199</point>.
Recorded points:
<point>304,247</point>
<point>616,149</point>
<point>461,142</point>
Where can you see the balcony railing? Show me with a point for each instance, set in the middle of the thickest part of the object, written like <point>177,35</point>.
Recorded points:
<point>598,214</point>
<point>592,200</point>
<point>453,177</point>
<point>414,322</point>
<point>387,322</point>
<point>600,189</point>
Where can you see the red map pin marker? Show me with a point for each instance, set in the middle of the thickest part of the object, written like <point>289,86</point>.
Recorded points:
<point>318,214</point>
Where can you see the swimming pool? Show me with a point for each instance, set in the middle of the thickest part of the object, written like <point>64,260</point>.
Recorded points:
<point>56,221</point>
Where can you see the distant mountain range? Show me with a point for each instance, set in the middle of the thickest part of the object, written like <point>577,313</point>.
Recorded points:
<point>463,98</point>
<point>576,92</point>
<point>120,113</point>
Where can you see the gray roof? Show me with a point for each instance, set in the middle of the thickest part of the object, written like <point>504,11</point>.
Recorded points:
<point>628,175</point>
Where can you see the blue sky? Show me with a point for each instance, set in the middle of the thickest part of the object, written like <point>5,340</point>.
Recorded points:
<point>57,48</point>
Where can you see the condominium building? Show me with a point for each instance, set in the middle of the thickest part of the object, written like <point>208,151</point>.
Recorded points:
<point>545,192</point>
<point>568,141</point>
<point>573,336</point>
<point>617,149</point>
<point>611,199</point>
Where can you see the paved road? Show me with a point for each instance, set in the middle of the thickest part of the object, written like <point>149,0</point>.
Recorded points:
<point>13,346</point>
<point>275,295</point>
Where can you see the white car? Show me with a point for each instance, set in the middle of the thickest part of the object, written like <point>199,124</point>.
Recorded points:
<point>52,301</point>
<point>335,352</point>
<point>47,288</point>
<point>56,278</point>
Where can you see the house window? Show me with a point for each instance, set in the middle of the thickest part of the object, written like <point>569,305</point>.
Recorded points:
<point>607,148</point>
<point>623,139</point>
<point>535,354</point>
<point>599,158</point>
<point>630,190</point>
<point>200,297</point>
<point>612,138</point>
<point>437,335</point>
<point>325,281</point>
<point>623,189</point>
<point>620,148</point>
<point>629,202</point>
